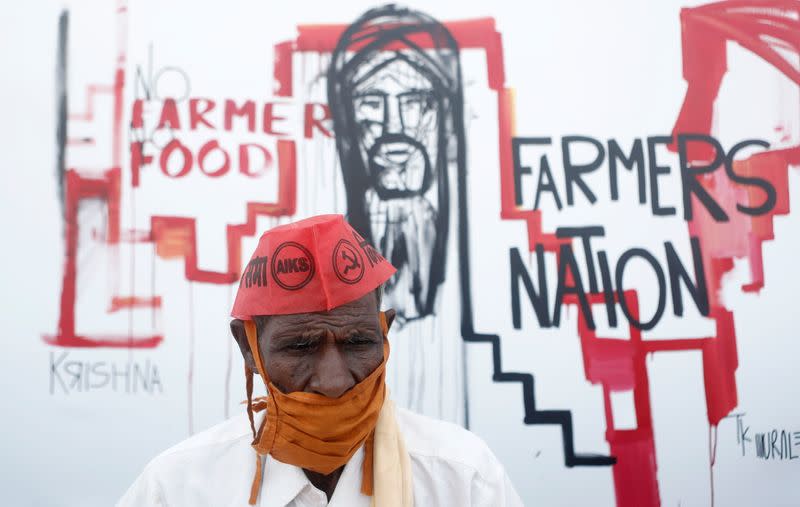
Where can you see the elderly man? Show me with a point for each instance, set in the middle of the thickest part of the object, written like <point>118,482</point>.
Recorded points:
<point>308,322</point>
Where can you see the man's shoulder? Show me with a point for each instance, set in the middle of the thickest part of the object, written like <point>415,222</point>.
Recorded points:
<point>429,439</point>
<point>177,475</point>
<point>231,433</point>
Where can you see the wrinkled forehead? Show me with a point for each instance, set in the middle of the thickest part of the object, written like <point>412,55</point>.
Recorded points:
<point>390,73</point>
<point>361,313</point>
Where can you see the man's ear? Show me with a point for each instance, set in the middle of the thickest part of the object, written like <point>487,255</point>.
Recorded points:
<point>239,334</point>
<point>389,314</point>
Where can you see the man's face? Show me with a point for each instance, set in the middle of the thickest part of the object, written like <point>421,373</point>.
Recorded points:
<point>325,353</point>
<point>396,110</point>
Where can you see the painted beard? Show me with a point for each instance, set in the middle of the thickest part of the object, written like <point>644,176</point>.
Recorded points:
<point>405,230</point>
<point>403,220</point>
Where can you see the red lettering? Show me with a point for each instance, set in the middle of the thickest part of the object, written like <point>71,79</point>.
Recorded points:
<point>248,110</point>
<point>201,158</point>
<point>310,121</point>
<point>244,160</point>
<point>167,152</point>
<point>270,118</point>
<point>196,116</point>
<point>136,114</point>
<point>169,115</point>
<point>138,159</point>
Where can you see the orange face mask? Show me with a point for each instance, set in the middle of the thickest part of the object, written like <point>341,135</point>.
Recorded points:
<point>312,431</point>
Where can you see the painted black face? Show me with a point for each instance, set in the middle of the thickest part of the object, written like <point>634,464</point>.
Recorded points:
<point>397,112</point>
<point>394,88</point>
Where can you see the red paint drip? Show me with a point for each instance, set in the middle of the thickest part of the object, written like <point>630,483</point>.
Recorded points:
<point>712,458</point>
<point>190,373</point>
<point>120,303</point>
<point>104,187</point>
<point>172,236</point>
<point>761,27</point>
<point>80,185</point>
<point>619,365</point>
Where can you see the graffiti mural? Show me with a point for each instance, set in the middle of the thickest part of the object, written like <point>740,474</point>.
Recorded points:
<point>593,256</point>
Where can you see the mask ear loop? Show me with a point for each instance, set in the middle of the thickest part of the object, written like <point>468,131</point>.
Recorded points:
<point>252,341</point>
<point>384,325</point>
<point>248,378</point>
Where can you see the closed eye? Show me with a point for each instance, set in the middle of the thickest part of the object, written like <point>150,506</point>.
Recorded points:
<point>300,345</point>
<point>360,340</point>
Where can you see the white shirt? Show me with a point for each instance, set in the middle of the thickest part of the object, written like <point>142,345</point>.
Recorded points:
<point>450,467</point>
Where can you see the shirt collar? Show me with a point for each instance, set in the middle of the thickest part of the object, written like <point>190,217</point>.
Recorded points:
<point>284,482</point>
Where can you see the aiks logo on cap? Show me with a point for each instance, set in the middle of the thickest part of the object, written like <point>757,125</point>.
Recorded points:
<point>292,266</point>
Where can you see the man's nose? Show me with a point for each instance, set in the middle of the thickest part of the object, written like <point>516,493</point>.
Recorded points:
<point>332,377</point>
<point>393,122</point>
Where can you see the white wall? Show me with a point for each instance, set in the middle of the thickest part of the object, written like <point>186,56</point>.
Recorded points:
<point>599,69</point>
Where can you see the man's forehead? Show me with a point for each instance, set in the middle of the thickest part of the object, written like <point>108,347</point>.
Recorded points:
<point>394,76</point>
<point>360,311</point>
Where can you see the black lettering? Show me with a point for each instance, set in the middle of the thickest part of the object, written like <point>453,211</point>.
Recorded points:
<point>74,368</point>
<point>372,255</point>
<point>55,374</point>
<point>761,446</point>
<point>126,373</point>
<point>771,197</point>
<point>519,273</point>
<point>689,175</point>
<point>662,300</point>
<point>574,172</point>
<point>636,158</point>
<point>155,380</point>
<point>519,169</point>
<point>141,378</point>
<point>773,439</point>
<point>585,233</point>
<point>97,372</point>
<point>608,289</point>
<point>546,186</point>
<point>677,271</point>
<point>256,272</point>
<point>655,170</point>
<point>786,445</point>
<point>566,259</point>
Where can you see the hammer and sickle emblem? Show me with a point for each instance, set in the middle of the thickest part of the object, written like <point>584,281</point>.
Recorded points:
<point>352,259</point>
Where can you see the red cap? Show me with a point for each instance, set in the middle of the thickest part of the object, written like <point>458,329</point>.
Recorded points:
<point>312,265</point>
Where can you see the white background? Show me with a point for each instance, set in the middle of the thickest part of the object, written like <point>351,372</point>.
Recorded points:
<point>601,69</point>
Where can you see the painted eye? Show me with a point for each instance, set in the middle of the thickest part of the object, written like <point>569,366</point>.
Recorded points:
<point>369,108</point>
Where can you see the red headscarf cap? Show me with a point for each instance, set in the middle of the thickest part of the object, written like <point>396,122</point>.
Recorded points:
<point>312,265</point>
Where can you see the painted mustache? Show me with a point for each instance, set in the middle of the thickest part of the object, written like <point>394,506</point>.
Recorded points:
<point>399,167</point>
